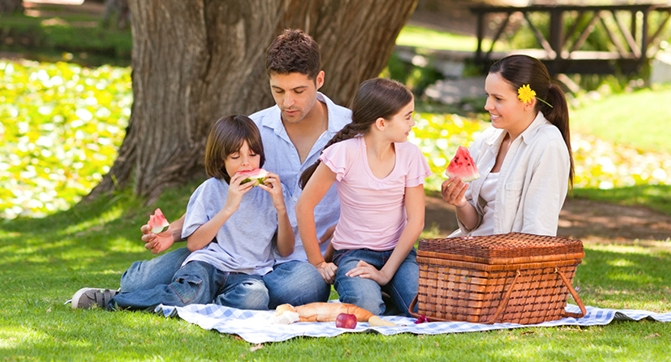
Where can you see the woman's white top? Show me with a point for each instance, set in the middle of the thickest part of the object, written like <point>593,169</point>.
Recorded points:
<point>488,194</point>
<point>532,182</point>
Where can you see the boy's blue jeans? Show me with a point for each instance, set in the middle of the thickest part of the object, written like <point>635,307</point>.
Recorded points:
<point>199,283</point>
<point>367,293</point>
<point>293,282</point>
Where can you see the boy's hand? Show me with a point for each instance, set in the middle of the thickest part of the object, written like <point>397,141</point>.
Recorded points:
<point>235,192</point>
<point>273,186</point>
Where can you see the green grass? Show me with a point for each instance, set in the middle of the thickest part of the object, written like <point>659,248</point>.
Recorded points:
<point>421,37</point>
<point>640,119</point>
<point>75,37</point>
<point>46,260</point>
<point>656,197</point>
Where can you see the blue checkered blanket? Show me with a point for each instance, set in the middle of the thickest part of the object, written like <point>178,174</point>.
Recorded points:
<point>256,326</point>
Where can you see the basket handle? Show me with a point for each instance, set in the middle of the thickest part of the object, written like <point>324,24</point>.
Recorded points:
<point>411,307</point>
<point>504,302</point>
<point>575,296</point>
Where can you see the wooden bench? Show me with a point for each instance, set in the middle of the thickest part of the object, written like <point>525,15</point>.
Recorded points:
<point>632,39</point>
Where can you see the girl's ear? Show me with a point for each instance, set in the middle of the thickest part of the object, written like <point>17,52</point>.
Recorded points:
<point>380,123</point>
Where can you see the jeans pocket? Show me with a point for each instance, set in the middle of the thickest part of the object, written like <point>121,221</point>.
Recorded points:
<point>187,288</point>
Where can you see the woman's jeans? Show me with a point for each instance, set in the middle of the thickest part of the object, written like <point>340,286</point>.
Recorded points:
<point>198,282</point>
<point>367,293</point>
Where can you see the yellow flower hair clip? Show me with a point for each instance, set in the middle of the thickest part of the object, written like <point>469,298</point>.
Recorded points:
<point>526,94</point>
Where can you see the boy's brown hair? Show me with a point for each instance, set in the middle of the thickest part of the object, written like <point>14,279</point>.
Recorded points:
<point>226,137</point>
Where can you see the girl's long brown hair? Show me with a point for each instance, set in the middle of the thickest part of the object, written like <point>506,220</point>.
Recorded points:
<point>375,98</point>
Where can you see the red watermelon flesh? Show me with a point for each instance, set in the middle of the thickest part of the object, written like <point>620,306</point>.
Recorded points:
<point>258,176</point>
<point>462,166</point>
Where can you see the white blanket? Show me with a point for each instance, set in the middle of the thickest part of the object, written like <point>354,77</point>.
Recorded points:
<point>256,326</point>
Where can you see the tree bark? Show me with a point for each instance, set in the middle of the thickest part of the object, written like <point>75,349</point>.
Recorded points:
<point>11,6</point>
<point>198,60</point>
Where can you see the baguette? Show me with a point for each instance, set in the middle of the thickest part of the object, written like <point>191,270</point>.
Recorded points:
<point>328,312</point>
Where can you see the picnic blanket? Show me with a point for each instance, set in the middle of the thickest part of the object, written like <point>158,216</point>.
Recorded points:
<point>256,327</point>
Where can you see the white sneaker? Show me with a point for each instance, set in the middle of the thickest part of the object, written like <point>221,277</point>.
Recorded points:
<point>86,298</point>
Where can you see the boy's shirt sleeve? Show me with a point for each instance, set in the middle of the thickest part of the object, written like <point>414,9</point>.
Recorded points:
<point>204,203</point>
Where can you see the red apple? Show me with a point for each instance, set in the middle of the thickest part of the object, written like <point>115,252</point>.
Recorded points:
<point>345,320</point>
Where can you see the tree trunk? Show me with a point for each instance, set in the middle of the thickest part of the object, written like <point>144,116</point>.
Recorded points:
<point>11,6</point>
<point>198,60</point>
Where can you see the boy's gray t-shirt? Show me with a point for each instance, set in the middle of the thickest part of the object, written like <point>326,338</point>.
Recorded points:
<point>244,243</point>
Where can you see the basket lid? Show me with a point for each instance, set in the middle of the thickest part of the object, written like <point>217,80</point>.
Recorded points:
<point>502,248</point>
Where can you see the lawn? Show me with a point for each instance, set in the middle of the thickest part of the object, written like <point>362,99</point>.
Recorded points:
<point>640,119</point>
<point>46,260</point>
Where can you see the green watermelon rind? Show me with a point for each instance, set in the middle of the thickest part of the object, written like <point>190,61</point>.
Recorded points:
<point>258,179</point>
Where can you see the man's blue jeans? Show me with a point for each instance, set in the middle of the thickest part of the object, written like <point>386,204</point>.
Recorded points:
<point>198,282</point>
<point>293,282</point>
<point>367,293</point>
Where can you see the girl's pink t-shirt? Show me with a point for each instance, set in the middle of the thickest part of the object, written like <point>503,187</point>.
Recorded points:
<point>372,210</point>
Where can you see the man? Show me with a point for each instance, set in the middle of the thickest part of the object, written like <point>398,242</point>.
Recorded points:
<point>294,131</point>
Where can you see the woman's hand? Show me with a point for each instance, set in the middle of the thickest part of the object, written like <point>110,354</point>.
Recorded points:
<point>327,271</point>
<point>453,190</point>
<point>365,270</point>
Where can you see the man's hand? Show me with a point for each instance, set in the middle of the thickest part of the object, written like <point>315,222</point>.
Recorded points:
<point>161,242</point>
<point>157,243</point>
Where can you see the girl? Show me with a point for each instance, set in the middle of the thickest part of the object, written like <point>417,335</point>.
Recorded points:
<point>379,177</point>
<point>229,227</point>
<point>525,159</point>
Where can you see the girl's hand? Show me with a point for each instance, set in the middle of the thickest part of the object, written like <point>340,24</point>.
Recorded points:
<point>453,190</point>
<point>365,270</point>
<point>273,186</point>
<point>235,192</point>
<point>327,271</point>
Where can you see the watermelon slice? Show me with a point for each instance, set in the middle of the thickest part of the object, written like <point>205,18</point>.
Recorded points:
<point>258,176</point>
<point>462,166</point>
<point>158,222</point>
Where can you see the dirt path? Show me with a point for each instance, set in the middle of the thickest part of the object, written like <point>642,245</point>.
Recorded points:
<point>589,221</point>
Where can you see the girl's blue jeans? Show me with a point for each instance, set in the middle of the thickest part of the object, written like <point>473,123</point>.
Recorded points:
<point>366,293</point>
<point>199,283</point>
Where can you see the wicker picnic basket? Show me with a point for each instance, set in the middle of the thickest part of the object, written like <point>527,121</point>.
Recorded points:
<point>515,278</point>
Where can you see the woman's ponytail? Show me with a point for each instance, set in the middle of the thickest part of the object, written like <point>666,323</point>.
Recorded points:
<point>558,116</point>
